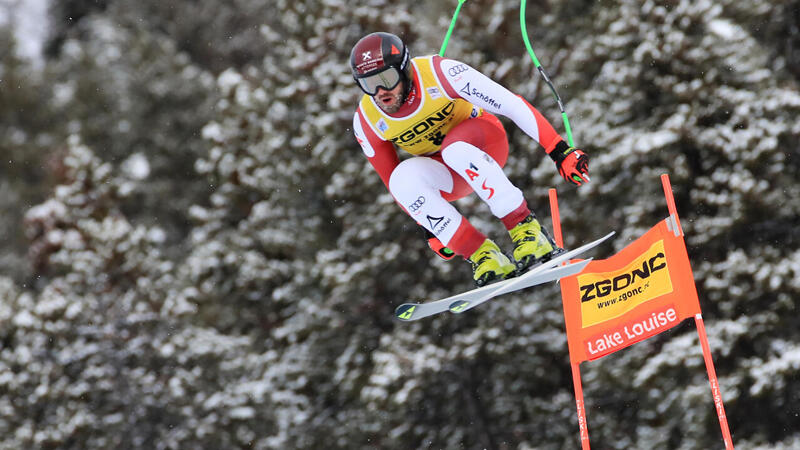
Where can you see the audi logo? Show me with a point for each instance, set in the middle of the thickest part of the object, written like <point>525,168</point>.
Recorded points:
<point>455,70</point>
<point>414,207</point>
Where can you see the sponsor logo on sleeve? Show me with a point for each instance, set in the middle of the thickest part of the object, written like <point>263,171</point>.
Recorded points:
<point>472,92</point>
<point>466,90</point>
<point>457,70</point>
<point>415,207</point>
<point>456,73</point>
<point>438,224</point>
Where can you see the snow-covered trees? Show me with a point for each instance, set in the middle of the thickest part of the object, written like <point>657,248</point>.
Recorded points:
<point>212,263</point>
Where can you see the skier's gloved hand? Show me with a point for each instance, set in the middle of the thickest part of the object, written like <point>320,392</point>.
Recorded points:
<point>572,164</point>
<point>436,245</point>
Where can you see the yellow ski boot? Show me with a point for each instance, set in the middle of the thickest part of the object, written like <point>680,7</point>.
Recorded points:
<point>490,264</point>
<point>532,244</point>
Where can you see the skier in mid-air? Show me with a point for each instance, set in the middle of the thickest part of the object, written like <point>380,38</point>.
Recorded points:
<point>441,111</point>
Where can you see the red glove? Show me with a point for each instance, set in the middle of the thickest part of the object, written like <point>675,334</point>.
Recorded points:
<point>572,164</point>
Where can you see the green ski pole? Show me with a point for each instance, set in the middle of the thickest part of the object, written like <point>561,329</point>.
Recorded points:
<point>542,72</point>
<point>452,26</point>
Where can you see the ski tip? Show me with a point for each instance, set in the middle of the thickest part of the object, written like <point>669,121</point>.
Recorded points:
<point>405,312</point>
<point>459,306</point>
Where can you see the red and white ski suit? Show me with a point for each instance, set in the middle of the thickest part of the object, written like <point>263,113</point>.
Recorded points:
<point>458,147</point>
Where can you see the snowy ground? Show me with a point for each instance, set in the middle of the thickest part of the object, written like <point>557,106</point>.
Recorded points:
<point>29,19</point>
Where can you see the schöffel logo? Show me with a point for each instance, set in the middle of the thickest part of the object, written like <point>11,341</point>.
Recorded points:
<point>467,90</point>
<point>434,221</point>
<point>438,224</point>
<point>434,121</point>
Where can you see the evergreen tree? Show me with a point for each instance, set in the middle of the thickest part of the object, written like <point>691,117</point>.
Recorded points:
<point>213,263</point>
<point>107,355</point>
<point>130,93</point>
<point>28,129</point>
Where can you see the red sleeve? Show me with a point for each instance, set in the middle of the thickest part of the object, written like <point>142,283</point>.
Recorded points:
<point>548,137</point>
<point>380,153</point>
<point>462,81</point>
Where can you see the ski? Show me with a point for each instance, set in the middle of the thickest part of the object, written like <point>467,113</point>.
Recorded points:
<point>519,283</point>
<point>414,311</point>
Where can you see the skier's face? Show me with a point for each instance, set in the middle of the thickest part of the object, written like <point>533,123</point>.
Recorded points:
<point>390,100</point>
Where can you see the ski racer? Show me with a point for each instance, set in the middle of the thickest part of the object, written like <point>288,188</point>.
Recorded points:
<point>441,111</point>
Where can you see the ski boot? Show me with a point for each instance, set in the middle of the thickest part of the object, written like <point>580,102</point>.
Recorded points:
<point>490,264</point>
<point>532,244</point>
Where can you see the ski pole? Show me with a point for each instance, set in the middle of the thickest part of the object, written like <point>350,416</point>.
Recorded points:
<point>541,70</point>
<point>452,26</point>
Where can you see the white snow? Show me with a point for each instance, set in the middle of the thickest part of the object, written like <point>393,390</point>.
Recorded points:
<point>29,19</point>
<point>213,132</point>
<point>228,80</point>
<point>136,166</point>
<point>47,212</point>
<point>725,29</point>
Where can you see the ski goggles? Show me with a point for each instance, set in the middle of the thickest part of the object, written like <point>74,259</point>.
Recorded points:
<point>386,79</point>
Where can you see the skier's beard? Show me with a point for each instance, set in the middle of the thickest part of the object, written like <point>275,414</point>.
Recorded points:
<point>393,106</point>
